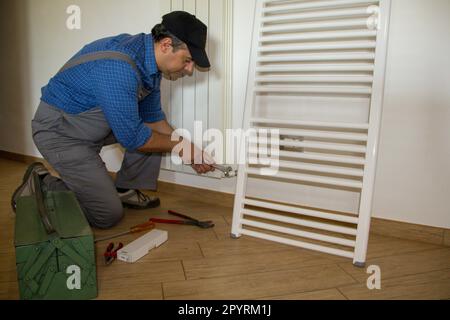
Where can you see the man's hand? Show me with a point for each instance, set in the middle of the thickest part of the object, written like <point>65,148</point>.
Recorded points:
<point>203,165</point>
<point>190,154</point>
<point>199,160</point>
<point>202,168</point>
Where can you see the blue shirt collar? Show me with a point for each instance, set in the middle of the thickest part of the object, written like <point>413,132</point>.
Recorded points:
<point>150,60</point>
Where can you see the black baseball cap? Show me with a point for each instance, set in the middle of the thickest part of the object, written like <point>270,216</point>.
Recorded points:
<point>191,31</point>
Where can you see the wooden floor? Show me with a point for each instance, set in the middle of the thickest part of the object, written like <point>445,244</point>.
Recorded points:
<point>208,264</point>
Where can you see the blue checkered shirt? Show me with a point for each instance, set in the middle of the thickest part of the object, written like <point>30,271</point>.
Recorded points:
<point>113,86</point>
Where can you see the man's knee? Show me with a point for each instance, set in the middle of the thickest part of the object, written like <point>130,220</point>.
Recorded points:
<point>106,217</point>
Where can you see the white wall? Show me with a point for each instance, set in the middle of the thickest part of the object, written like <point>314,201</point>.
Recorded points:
<point>38,43</point>
<point>413,176</point>
<point>413,180</point>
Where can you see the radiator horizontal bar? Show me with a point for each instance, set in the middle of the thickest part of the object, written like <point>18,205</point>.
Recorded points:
<point>309,178</point>
<point>313,89</point>
<point>319,46</point>
<point>314,5</point>
<point>303,234</point>
<point>313,167</point>
<point>317,57</point>
<point>318,157</point>
<point>315,79</point>
<point>319,134</point>
<point>329,14</point>
<point>320,36</point>
<point>340,125</point>
<point>366,67</point>
<point>300,211</point>
<point>309,26</point>
<point>301,222</point>
<point>315,145</point>
<point>296,243</point>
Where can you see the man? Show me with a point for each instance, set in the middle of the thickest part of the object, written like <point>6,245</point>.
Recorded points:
<point>109,92</point>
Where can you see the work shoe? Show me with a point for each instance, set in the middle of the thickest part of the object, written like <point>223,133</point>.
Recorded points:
<point>27,186</point>
<point>135,199</point>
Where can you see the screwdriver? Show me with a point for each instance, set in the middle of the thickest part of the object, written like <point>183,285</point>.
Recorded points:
<point>136,229</point>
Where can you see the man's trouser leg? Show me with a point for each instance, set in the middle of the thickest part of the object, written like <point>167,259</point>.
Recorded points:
<point>71,144</point>
<point>139,171</point>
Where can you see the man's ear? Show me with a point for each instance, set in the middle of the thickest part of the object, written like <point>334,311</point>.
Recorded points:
<point>165,44</point>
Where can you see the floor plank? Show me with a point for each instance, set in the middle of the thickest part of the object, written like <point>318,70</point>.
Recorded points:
<point>447,238</point>
<point>9,290</point>
<point>242,246</point>
<point>152,272</point>
<point>253,286</point>
<point>137,288</point>
<point>7,268</point>
<point>248,264</point>
<point>425,286</point>
<point>330,294</point>
<point>403,265</point>
<point>382,246</point>
<point>223,230</point>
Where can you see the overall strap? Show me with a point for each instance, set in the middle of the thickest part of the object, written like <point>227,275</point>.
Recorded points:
<point>108,55</point>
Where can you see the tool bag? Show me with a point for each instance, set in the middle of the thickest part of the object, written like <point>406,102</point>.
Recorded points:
<point>55,253</point>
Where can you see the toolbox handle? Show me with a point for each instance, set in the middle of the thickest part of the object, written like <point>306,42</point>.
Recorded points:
<point>42,208</point>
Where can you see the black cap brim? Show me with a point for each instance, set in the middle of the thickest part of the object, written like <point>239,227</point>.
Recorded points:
<point>200,57</point>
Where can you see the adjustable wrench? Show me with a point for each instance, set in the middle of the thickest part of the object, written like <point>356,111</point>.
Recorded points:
<point>228,171</point>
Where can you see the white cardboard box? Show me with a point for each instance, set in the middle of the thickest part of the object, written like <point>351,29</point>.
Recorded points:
<point>140,247</point>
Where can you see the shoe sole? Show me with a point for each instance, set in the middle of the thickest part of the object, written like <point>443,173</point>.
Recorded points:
<point>153,204</point>
<point>26,176</point>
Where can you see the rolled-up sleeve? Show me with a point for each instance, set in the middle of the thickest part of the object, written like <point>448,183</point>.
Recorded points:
<point>115,88</point>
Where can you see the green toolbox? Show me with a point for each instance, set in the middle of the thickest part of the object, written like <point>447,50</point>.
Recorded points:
<point>55,253</point>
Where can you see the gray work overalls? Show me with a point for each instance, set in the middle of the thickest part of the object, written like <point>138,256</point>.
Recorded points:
<point>72,143</point>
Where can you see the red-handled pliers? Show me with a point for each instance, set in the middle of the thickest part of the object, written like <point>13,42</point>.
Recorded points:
<point>189,221</point>
<point>111,254</point>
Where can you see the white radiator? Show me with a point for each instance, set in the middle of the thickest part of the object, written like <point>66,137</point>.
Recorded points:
<point>317,75</point>
<point>200,97</point>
